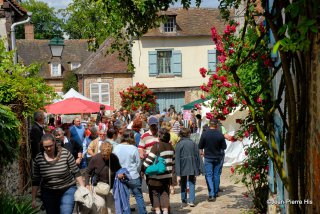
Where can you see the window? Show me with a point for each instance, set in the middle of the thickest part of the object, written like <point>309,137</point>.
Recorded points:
<point>55,69</point>
<point>99,92</point>
<point>212,60</point>
<point>164,62</point>
<point>75,65</point>
<point>170,25</point>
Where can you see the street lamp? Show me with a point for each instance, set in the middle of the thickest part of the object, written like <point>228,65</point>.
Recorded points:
<point>56,46</point>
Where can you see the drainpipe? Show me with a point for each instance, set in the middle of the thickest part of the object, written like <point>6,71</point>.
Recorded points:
<point>13,36</point>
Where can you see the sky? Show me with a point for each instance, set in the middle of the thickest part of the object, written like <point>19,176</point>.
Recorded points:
<point>62,4</point>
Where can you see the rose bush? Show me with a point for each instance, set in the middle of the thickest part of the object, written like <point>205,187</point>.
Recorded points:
<point>254,175</point>
<point>244,88</point>
<point>137,97</point>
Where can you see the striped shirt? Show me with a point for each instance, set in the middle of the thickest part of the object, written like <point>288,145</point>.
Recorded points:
<point>146,142</point>
<point>166,151</point>
<point>176,127</point>
<point>55,174</point>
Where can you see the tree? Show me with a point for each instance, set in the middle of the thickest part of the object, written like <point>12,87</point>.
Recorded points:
<point>120,20</point>
<point>70,81</point>
<point>44,18</point>
<point>23,91</point>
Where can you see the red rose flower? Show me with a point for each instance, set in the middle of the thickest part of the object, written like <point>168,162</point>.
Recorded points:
<point>203,97</point>
<point>225,111</point>
<point>233,28</point>
<point>215,76</point>
<point>246,134</point>
<point>232,170</point>
<point>223,79</point>
<point>246,165</point>
<point>257,176</point>
<point>203,72</point>
<point>209,116</point>
<point>244,102</point>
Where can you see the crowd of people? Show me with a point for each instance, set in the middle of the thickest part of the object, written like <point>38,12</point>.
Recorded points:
<point>117,149</point>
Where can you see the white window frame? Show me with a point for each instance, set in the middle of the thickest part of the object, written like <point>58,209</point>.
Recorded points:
<point>170,25</point>
<point>58,74</point>
<point>75,65</point>
<point>100,93</point>
<point>164,62</point>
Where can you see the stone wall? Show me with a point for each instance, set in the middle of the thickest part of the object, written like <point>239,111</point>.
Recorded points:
<point>9,179</point>
<point>193,94</point>
<point>313,148</point>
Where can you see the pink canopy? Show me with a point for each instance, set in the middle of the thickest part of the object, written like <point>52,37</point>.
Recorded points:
<point>74,106</point>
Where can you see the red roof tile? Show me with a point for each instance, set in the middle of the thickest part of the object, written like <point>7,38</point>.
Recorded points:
<point>191,22</point>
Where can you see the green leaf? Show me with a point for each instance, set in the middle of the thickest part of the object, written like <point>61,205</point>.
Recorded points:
<point>276,47</point>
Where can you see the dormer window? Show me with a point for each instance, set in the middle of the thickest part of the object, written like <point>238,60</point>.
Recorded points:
<point>75,65</point>
<point>55,69</point>
<point>170,25</point>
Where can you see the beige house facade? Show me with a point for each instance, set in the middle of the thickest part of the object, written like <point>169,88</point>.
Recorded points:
<point>168,59</point>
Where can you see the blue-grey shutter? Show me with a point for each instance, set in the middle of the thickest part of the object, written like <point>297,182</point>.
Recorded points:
<point>153,63</point>
<point>176,64</point>
<point>212,60</point>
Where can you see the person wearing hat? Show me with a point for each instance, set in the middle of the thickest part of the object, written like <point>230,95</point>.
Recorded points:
<point>212,145</point>
<point>148,139</point>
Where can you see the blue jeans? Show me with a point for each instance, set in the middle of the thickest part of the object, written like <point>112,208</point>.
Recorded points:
<point>183,184</point>
<point>212,170</point>
<point>58,201</point>
<point>135,186</point>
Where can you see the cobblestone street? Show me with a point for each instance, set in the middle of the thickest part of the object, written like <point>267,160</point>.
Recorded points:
<point>230,201</point>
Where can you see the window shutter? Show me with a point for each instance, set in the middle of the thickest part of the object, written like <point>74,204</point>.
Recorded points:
<point>153,63</point>
<point>212,60</point>
<point>176,63</point>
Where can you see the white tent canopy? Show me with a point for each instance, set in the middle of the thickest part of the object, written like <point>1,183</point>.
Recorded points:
<point>234,154</point>
<point>73,93</point>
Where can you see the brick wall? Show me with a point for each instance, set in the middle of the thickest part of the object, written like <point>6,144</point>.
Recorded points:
<point>117,83</point>
<point>313,152</point>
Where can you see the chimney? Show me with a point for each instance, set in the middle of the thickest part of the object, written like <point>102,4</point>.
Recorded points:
<point>29,31</point>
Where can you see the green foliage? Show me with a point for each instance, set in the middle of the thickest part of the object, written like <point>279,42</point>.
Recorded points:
<point>138,97</point>
<point>254,175</point>
<point>9,135</point>
<point>70,80</point>
<point>44,18</point>
<point>20,87</point>
<point>11,205</point>
<point>121,20</point>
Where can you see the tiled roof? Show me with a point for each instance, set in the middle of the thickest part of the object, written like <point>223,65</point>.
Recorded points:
<point>38,51</point>
<point>100,63</point>
<point>191,22</point>
<point>18,6</point>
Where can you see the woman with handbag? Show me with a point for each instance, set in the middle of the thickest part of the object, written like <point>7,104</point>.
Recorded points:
<point>101,170</point>
<point>159,184</point>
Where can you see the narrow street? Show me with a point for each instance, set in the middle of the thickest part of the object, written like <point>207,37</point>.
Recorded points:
<point>230,201</point>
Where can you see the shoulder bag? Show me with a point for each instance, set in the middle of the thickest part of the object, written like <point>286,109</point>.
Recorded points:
<point>102,188</point>
<point>159,165</point>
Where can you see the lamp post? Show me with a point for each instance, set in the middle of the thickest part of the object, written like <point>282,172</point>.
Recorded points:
<point>56,46</point>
